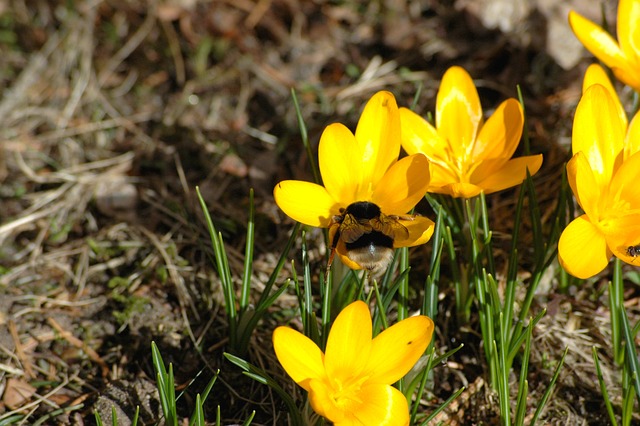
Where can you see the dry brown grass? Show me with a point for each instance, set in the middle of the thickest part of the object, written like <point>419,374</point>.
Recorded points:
<point>113,111</point>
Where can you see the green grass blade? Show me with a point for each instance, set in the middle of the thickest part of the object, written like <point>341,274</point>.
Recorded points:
<point>523,385</point>
<point>442,407</point>
<point>224,273</point>
<point>603,387</point>
<point>198,414</point>
<point>248,255</point>
<point>430,302</point>
<point>631,357</point>
<point>205,395</point>
<point>166,386</point>
<point>262,377</point>
<point>305,139</point>
<point>547,392</point>
<point>420,381</point>
<point>250,419</point>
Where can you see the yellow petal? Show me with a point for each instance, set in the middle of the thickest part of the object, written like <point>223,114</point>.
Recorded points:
<point>621,232</point>
<point>349,342</point>
<point>378,136</point>
<point>629,30</point>
<point>582,249</point>
<point>299,356</point>
<point>305,202</point>
<point>403,186</point>
<point>420,231</point>
<point>419,136</point>
<point>441,176</point>
<point>511,173</point>
<point>395,351</point>
<point>595,74</point>
<point>599,132</point>
<point>500,135</point>
<point>628,74</point>
<point>458,190</point>
<point>584,185</point>
<point>340,162</point>
<point>322,401</point>
<point>458,112</point>
<point>382,405</point>
<point>625,186</point>
<point>345,259</point>
<point>624,232</point>
<point>632,141</point>
<point>597,41</point>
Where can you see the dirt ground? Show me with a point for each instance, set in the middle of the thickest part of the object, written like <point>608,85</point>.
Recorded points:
<point>113,111</point>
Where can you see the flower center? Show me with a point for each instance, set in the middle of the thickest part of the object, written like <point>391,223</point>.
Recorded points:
<point>346,394</point>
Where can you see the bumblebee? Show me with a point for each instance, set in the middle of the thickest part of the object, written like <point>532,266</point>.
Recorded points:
<point>633,251</point>
<point>368,235</point>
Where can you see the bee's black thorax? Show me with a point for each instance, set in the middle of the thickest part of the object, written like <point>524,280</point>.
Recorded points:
<point>363,210</point>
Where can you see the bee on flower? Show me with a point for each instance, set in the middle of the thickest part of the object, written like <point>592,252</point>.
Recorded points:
<point>367,192</point>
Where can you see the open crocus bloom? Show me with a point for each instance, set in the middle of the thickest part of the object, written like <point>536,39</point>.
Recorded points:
<point>604,175</point>
<point>623,56</point>
<point>362,168</point>
<point>468,156</point>
<point>350,384</point>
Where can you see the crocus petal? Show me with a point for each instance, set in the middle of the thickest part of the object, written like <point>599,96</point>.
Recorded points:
<point>584,185</point>
<point>340,166</point>
<point>597,41</point>
<point>322,401</point>
<point>595,74</point>
<point>458,190</point>
<point>582,249</point>
<point>624,192</point>
<point>299,356</point>
<point>341,250</point>
<point>622,232</point>
<point>632,141</point>
<point>419,136</point>
<point>403,186</point>
<point>420,231</point>
<point>458,112</point>
<point>441,176</point>
<point>512,173</point>
<point>500,135</point>
<point>383,405</point>
<point>629,30</point>
<point>305,202</point>
<point>598,132</point>
<point>395,351</point>
<point>349,342</point>
<point>378,136</point>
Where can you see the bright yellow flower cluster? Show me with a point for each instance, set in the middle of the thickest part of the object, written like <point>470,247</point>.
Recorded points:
<point>603,173</point>
<point>605,168</point>
<point>365,202</point>
<point>368,192</point>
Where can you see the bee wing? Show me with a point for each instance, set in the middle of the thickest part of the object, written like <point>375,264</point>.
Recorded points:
<point>351,229</point>
<point>390,227</point>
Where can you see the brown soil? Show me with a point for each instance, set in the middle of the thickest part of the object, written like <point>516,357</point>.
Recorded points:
<point>113,111</point>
